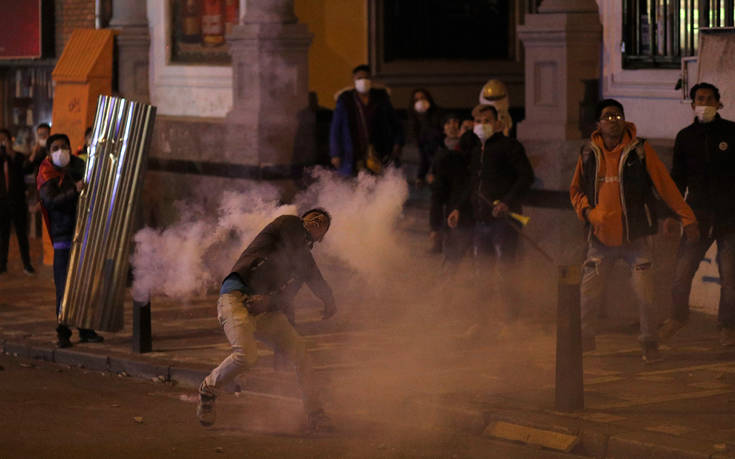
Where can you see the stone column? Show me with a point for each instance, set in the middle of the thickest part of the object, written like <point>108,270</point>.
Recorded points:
<point>133,41</point>
<point>271,124</point>
<point>562,59</point>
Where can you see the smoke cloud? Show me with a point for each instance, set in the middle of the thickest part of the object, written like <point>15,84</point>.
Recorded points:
<point>195,254</point>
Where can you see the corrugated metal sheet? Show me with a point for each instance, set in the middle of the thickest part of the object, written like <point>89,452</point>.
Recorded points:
<point>84,56</point>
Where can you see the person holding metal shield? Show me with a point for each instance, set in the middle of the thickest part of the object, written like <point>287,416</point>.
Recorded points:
<point>251,304</point>
<point>59,183</point>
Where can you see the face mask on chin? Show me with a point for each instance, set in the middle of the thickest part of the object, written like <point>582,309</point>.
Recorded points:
<point>705,113</point>
<point>451,142</point>
<point>483,131</point>
<point>363,85</point>
<point>42,142</point>
<point>421,105</point>
<point>61,157</point>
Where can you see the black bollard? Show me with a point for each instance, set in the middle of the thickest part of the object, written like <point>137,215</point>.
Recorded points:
<point>142,339</point>
<point>569,373</point>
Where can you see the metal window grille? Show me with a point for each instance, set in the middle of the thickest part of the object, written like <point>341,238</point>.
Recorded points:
<point>658,33</point>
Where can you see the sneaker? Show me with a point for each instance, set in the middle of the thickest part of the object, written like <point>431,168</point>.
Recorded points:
<point>669,328</point>
<point>29,271</point>
<point>63,342</point>
<point>319,422</point>
<point>205,408</point>
<point>727,336</point>
<point>90,336</point>
<point>650,352</point>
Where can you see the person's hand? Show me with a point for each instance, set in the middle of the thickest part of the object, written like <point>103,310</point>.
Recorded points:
<point>79,185</point>
<point>330,309</point>
<point>500,209</point>
<point>336,161</point>
<point>597,218</point>
<point>671,227</point>
<point>453,218</point>
<point>691,232</point>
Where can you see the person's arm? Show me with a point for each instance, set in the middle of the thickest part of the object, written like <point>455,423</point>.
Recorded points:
<point>53,196</point>
<point>338,133</point>
<point>396,128</point>
<point>524,174</point>
<point>439,193</point>
<point>679,167</point>
<point>666,187</point>
<point>576,193</point>
<point>319,286</point>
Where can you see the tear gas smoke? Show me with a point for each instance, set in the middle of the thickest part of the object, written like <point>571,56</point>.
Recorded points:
<point>194,254</point>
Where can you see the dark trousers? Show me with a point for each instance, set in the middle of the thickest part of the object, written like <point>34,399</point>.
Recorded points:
<point>17,215</point>
<point>688,259</point>
<point>61,267</point>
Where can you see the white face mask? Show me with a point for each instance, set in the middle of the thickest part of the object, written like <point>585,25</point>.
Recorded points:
<point>60,158</point>
<point>705,113</point>
<point>421,105</point>
<point>363,85</point>
<point>483,131</point>
<point>42,142</point>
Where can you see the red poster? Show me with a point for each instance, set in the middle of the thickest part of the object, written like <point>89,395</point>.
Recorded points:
<point>20,34</point>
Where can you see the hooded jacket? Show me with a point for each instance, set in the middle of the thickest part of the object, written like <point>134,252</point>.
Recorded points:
<point>59,196</point>
<point>347,137</point>
<point>704,170</point>
<point>622,189</point>
<point>280,256</point>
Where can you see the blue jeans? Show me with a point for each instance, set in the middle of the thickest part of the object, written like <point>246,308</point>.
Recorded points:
<point>596,272</point>
<point>687,263</point>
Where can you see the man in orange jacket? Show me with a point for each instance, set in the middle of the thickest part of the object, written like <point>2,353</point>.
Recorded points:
<point>618,184</point>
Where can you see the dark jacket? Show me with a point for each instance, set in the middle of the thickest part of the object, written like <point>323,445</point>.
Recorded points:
<point>500,172</point>
<point>704,168</point>
<point>426,128</point>
<point>451,174</point>
<point>18,166</point>
<point>384,130</point>
<point>59,198</point>
<point>280,256</point>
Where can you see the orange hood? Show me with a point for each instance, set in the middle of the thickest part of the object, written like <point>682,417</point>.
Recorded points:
<point>629,133</point>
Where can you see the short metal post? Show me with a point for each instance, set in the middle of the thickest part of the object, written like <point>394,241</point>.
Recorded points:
<point>142,339</point>
<point>569,373</point>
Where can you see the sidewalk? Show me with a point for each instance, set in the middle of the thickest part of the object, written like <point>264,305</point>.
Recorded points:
<point>420,372</point>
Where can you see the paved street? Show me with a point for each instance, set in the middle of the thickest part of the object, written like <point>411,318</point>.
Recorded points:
<point>389,361</point>
<point>57,411</point>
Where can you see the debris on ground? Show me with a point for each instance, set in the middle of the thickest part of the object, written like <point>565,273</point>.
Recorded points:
<point>138,419</point>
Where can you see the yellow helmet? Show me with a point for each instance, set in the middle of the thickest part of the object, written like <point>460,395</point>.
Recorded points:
<point>493,90</point>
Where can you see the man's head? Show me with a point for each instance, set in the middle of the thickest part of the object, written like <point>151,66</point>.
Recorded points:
<point>705,101</point>
<point>486,121</point>
<point>316,221</point>
<point>60,150</point>
<point>361,78</point>
<point>451,126</point>
<point>42,132</point>
<point>610,118</point>
<point>5,139</point>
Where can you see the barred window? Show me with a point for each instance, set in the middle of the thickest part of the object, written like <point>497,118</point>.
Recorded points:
<point>658,33</point>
